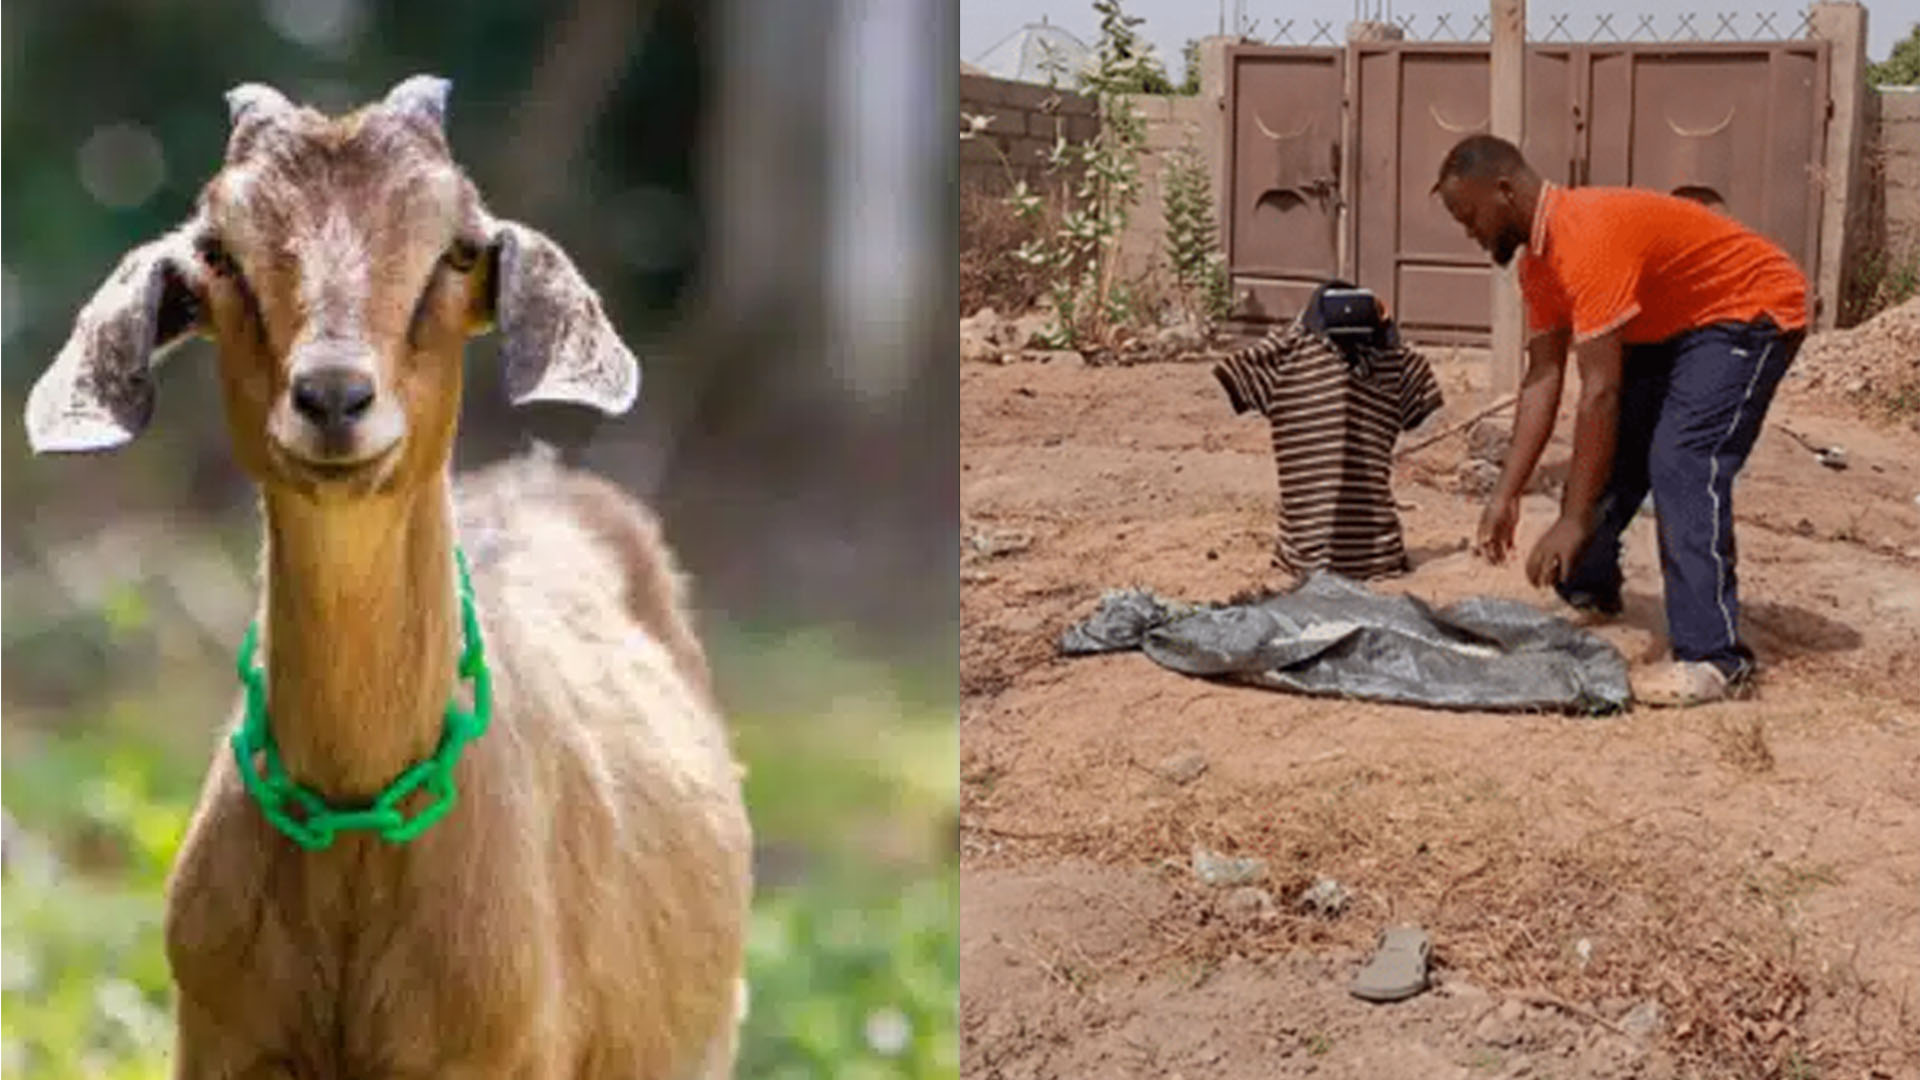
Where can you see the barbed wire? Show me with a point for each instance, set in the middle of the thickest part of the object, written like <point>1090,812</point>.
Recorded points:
<point>1474,27</point>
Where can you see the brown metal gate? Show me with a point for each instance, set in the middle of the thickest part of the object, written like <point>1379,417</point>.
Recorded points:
<point>1737,125</point>
<point>1283,189</point>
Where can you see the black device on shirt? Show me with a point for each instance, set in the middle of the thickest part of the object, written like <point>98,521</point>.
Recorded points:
<point>1350,317</point>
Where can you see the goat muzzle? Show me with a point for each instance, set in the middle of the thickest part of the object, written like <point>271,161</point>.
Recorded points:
<point>334,420</point>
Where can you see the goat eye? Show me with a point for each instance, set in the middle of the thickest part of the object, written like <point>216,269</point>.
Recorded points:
<point>463,255</point>
<point>214,254</point>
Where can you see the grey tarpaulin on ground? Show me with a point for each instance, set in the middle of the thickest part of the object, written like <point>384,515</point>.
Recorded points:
<point>1331,636</point>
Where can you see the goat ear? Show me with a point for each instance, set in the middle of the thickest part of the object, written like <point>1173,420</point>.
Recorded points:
<point>98,393</point>
<point>556,340</point>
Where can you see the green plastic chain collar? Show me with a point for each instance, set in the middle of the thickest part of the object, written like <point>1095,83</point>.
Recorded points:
<point>274,790</point>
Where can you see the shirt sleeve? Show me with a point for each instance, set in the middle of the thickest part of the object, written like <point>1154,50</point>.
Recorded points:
<point>1419,391</point>
<point>1248,375</point>
<point>1546,303</point>
<point>1599,270</point>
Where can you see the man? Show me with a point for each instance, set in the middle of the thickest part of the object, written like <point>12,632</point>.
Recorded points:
<point>1682,322</point>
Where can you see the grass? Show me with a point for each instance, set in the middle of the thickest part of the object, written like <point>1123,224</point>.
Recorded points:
<point>852,955</point>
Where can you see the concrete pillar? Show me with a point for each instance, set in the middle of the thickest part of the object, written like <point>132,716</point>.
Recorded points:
<point>1508,111</point>
<point>1213,123</point>
<point>1844,23</point>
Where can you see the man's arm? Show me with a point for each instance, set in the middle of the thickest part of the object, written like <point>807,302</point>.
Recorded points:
<point>1539,401</point>
<point>1595,428</point>
<point>1534,412</point>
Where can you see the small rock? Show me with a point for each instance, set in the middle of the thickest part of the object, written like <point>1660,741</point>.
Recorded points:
<point>993,545</point>
<point>1502,1027</point>
<point>1062,356</point>
<point>1488,441</point>
<point>1804,527</point>
<point>1250,904</point>
<point>1476,477</point>
<point>1834,457</point>
<point>1643,1020</point>
<point>1183,768</point>
<point>1325,897</point>
<point>1221,870</point>
<point>1212,555</point>
<point>1584,950</point>
<point>980,335</point>
<point>974,350</point>
<point>1180,339</point>
<point>982,322</point>
<point>1456,987</point>
<point>1028,327</point>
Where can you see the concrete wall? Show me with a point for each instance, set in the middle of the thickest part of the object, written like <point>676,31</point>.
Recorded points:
<point>1843,23</point>
<point>1883,220</point>
<point>1026,119</point>
<point>1895,150</point>
<point>1173,124</point>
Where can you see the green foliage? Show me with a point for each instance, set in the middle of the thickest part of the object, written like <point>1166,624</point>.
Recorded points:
<point>852,953</point>
<point>86,989</point>
<point>1193,244</point>
<point>1081,255</point>
<point>854,990</point>
<point>1877,281</point>
<point>1902,65</point>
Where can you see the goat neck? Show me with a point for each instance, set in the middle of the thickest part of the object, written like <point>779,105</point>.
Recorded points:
<point>362,633</point>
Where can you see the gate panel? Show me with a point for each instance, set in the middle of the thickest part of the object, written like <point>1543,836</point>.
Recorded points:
<point>1737,127</point>
<point>1283,186</point>
<point>1739,124</point>
<point>1438,277</point>
<point>1416,102</point>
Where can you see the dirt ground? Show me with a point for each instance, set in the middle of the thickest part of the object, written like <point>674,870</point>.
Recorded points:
<point>1732,890</point>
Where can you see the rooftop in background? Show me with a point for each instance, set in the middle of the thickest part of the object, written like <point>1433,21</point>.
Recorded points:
<point>1035,53</point>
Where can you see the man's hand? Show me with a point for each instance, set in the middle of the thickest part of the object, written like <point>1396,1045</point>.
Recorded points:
<point>1497,523</point>
<point>1532,424</point>
<point>1554,553</point>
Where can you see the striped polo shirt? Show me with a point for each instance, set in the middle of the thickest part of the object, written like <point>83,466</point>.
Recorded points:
<point>1334,426</point>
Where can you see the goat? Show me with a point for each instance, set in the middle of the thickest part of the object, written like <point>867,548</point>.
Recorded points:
<point>579,911</point>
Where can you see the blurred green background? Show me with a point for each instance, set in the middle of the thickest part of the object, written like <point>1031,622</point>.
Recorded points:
<point>762,192</point>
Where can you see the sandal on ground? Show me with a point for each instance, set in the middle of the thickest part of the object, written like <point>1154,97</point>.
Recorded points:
<point>1682,684</point>
<point>1398,969</point>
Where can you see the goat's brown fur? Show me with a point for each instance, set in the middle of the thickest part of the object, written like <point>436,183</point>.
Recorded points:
<point>581,912</point>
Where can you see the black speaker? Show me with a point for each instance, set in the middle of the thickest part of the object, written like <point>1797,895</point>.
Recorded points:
<point>1349,316</point>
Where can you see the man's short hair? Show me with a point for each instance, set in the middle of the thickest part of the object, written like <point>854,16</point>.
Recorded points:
<point>1482,157</point>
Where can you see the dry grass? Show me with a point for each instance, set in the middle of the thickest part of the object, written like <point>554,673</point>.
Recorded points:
<point>990,276</point>
<point>1743,744</point>
<point>1508,893</point>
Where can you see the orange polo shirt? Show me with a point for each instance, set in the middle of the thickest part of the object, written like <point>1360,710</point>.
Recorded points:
<point>1650,265</point>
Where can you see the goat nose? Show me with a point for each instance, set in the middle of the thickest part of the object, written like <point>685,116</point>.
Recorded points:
<point>332,398</point>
